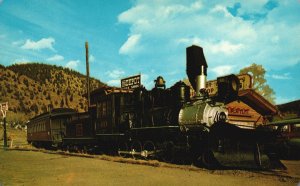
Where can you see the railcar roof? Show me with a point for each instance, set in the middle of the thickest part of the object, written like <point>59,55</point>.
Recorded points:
<point>54,113</point>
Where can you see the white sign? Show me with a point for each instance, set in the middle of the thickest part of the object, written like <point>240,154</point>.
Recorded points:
<point>4,108</point>
<point>131,82</point>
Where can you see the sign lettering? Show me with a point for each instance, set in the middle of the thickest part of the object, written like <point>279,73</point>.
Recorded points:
<point>236,111</point>
<point>131,82</point>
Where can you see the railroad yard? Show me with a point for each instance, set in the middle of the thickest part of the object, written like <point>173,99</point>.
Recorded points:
<point>24,165</point>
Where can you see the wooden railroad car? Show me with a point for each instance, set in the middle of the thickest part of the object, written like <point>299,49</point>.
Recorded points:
<point>48,129</point>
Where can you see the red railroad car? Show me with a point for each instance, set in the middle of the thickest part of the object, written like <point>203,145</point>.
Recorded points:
<point>49,128</point>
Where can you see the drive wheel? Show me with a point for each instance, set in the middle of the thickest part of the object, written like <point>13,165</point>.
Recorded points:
<point>122,149</point>
<point>208,160</point>
<point>169,151</point>
<point>149,150</point>
<point>257,155</point>
<point>136,149</point>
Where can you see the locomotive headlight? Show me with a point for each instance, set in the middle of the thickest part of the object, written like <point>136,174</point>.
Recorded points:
<point>228,87</point>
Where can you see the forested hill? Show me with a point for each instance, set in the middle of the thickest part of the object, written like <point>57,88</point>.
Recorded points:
<point>31,88</point>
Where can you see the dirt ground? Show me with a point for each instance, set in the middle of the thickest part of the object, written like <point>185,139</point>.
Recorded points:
<point>40,167</point>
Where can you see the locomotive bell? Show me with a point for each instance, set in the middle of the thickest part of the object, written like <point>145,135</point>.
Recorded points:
<point>160,82</point>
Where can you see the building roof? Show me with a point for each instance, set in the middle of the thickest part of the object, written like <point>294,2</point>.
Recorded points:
<point>106,90</point>
<point>257,102</point>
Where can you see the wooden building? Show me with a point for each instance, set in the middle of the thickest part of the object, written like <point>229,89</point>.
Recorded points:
<point>251,110</point>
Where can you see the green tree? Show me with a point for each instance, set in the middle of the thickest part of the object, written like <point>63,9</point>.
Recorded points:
<point>259,82</point>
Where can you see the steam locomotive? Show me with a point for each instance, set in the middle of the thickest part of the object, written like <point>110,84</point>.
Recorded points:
<point>163,123</point>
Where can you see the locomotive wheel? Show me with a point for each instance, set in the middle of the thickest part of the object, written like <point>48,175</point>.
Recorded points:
<point>76,149</point>
<point>149,150</point>
<point>208,160</point>
<point>69,148</point>
<point>85,150</point>
<point>122,146</point>
<point>136,149</point>
<point>169,151</point>
<point>257,155</point>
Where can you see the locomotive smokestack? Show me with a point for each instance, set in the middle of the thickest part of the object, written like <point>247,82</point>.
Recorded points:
<point>87,72</point>
<point>196,68</point>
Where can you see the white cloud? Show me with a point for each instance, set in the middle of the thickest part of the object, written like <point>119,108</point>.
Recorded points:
<point>221,9</point>
<point>92,58</point>
<point>115,77</point>
<point>44,43</point>
<point>280,100</point>
<point>225,47</point>
<point>56,58</point>
<point>17,43</point>
<point>115,74</point>
<point>223,70</point>
<point>21,61</point>
<point>130,46</point>
<point>284,76</point>
<point>73,64</point>
<point>146,81</point>
<point>114,82</point>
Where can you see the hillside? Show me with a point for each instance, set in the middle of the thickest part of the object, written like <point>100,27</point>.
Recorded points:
<point>290,109</point>
<point>32,88</point>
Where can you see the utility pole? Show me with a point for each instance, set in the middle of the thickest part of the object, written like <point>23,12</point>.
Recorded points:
<point>87,72</point>
<point>4,133</point>
<point>4,108</point>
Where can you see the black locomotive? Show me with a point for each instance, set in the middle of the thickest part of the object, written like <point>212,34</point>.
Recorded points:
<point>164,123</point>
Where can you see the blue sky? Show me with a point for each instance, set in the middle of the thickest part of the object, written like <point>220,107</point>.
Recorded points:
<point>149,37</point>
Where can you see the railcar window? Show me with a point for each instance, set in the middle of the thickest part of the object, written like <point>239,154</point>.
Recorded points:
<point>104,109</point>
<point>297,127</point>
<point>79,130</point>
<point>108,111</point>
<point>285,128</point>
<point>98,109</point>
<point>103,124</point>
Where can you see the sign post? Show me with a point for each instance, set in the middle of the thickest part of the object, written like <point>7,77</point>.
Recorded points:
<point>131,82</point>
<point>4,108</point>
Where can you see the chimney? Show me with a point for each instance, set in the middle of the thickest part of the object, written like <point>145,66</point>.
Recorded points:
<point>196,68</point>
